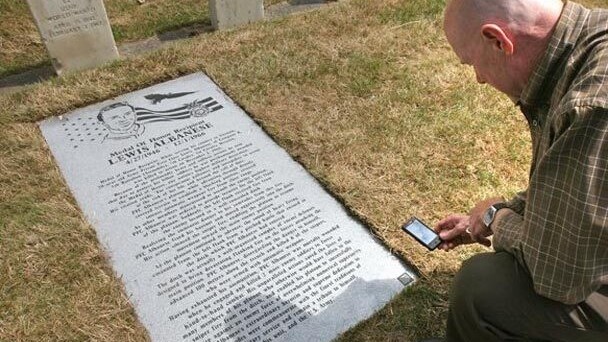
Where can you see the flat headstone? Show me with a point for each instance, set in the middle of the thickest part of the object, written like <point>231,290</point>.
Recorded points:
<point>227,14</point>
<point>217,233</point>
<point>77,34</point>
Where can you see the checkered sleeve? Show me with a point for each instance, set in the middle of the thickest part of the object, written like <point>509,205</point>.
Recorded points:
<point>518,202</point>
<point>562,237</point>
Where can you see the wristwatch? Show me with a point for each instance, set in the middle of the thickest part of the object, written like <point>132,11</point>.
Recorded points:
<point>490,213</point>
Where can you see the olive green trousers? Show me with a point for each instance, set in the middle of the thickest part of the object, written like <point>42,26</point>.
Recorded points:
<point>492,299</point>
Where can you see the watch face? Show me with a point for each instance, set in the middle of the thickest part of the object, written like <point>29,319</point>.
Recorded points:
<point>488,216</point>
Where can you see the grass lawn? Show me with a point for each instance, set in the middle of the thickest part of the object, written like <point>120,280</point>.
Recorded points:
<point>365,94</point>
<point>21,47</point>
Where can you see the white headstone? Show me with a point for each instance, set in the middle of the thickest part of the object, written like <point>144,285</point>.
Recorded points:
<point>216,232</point>
<point>76,33</point>
<point>226,14</point>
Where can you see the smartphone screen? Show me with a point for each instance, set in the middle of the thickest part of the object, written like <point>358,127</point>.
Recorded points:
<point>422,233</point>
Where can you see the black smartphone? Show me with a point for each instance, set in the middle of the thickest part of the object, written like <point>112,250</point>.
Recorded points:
<point>421,232</point>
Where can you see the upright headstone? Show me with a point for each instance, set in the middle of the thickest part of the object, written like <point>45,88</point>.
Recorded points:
<point>76,33</point>
<point>226,14</point>
<point>217,233</point>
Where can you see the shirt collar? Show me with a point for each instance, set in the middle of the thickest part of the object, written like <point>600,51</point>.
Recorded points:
<point>546,74</point>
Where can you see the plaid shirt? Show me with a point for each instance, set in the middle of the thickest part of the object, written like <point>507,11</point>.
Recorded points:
<point>558,227</point>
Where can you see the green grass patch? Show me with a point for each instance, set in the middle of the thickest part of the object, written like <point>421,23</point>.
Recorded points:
<point>408,11</point>
<point>131,21</point>
<point>364,72</point>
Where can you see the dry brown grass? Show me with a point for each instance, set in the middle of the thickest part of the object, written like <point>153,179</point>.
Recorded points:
<point>366,95</point>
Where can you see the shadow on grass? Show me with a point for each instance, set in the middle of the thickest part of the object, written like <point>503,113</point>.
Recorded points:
<point>12,70</point>
<point>178,32</point>
<point>27,75</point>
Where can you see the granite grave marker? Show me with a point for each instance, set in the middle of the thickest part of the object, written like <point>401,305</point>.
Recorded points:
<point>216,232</point>
<point>77,34</point>
<point>227,14</point>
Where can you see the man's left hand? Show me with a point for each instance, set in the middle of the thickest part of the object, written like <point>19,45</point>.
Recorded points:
<point>478,231</point>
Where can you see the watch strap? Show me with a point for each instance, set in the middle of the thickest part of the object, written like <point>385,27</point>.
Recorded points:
<point>500,205</point>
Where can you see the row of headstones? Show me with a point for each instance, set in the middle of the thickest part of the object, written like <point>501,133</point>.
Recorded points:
<point>77,34</point>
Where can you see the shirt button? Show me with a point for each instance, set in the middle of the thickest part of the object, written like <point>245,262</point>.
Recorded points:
<point>535,123</point>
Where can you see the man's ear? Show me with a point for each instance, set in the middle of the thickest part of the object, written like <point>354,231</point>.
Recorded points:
<point>496,36</point>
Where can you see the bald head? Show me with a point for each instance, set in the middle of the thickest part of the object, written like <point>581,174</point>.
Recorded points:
<point>520,16</point>
<point>510,34</point>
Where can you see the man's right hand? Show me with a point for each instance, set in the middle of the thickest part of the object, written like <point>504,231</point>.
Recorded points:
<point>452,231</point>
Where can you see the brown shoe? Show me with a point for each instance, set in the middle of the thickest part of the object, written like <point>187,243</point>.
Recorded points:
<point>432,340</point>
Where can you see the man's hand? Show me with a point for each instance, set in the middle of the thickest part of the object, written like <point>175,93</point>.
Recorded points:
<point>479,231</point>
<point>452,231</point>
